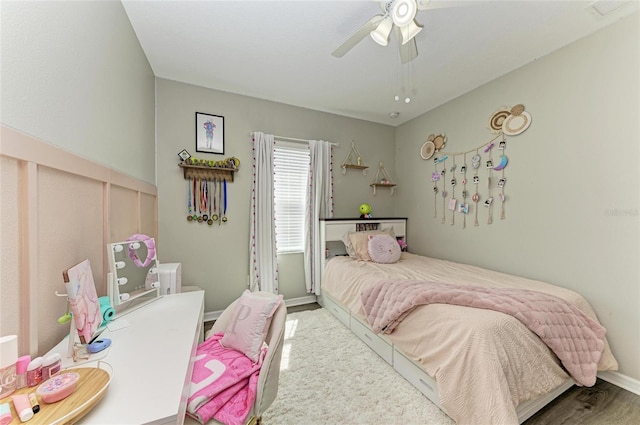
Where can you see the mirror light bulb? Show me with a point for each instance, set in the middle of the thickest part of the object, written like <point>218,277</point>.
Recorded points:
<point>117,248</point>
<point>120,264</point>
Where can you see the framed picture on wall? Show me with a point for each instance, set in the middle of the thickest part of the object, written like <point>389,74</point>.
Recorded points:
<point>209,133</point>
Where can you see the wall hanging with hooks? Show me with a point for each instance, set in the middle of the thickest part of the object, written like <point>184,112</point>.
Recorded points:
<point>208,197</point>
<point>504,122</point>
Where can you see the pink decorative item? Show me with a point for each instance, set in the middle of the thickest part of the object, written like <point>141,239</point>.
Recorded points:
<point>383,249</point>
<point>151,250</point>
<point>248,328</point>
<point>21,371</point>
<point>83,300</point>
<point>34,372</point>
<point>58,388</point>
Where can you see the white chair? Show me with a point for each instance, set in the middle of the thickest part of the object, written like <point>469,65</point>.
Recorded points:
<point>270,370</point>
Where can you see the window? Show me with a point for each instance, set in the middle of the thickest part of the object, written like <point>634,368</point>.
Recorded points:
<point>290,169</point>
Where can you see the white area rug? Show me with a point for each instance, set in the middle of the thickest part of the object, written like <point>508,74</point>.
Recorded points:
<point>329,376</point>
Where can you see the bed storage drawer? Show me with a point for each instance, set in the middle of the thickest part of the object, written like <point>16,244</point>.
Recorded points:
<point>343,315</point>
<point>416,376</point>
<point>380,345</point>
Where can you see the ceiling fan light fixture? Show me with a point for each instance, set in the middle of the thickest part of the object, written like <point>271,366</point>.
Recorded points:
<point>403,12</point>
<point>409,31</point>
<point>381,34</point>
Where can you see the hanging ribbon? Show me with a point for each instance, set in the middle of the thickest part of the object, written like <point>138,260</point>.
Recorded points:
<point>189,209</point>
<point>224,186</point>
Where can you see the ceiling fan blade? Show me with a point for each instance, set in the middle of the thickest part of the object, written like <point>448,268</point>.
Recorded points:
<point>408,51</point>
<point>440,4</point>
<point>357,36</point>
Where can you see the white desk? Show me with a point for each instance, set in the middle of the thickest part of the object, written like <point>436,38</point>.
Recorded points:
<point>151,361</point>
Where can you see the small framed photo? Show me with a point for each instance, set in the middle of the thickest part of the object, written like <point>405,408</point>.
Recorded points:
<point>184,155</point>
<point>209,133</point>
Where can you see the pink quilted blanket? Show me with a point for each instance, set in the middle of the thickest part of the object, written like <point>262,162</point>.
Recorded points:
<point>223,383</point>
<point>574,337</point>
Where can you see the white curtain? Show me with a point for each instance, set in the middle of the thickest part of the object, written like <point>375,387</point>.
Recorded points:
<point>263,264</point>
<point>319,205</point>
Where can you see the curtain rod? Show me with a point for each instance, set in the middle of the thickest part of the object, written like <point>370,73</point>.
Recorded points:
<point>292,139</point>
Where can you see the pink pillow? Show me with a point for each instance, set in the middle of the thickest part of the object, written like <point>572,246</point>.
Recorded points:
<point>250,323</point>
<point>384,249</point>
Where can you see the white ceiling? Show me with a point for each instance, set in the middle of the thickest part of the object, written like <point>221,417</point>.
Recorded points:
<point>281,50</point>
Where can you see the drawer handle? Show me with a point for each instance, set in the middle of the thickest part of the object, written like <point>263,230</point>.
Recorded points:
<point>426,385</point>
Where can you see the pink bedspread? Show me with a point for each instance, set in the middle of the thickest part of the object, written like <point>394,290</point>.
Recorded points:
<point>574,337</point>
<point>223,383</point>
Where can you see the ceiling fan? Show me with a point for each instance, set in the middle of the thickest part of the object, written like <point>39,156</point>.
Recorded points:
<point>397,14</point>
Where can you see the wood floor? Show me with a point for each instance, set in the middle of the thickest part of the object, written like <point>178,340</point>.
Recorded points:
<point>602,404</point>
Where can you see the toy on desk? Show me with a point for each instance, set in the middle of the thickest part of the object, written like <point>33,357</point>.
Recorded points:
<point>108,312</point>
<point>59,387</point>
<point>98,345</point>
<point>365,211</point>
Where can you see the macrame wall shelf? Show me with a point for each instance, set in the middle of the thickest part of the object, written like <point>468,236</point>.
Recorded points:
<point>382,179</point>
<point>203,172</point>
<point>354,161</point>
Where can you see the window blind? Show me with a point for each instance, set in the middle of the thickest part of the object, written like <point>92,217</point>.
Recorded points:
<point>290,169</point>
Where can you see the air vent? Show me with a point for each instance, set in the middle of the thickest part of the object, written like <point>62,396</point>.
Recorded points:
<point>605,7</point>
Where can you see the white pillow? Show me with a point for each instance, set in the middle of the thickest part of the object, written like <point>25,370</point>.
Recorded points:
<point>250,323</point>
<point>356,242</point>
<point>384,249</point>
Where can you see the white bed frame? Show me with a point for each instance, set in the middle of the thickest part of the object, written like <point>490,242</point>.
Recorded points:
<point>332,232</point>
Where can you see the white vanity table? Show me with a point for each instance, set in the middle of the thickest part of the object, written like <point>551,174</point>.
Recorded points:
<point>151,361</point>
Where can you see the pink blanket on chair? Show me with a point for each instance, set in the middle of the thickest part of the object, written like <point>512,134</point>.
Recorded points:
<point>574,337</point>
<point>223,384</point>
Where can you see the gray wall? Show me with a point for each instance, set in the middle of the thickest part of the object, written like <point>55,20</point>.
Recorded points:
<point>572,179</point>
<point>216,257</point>
<point>75,76</point>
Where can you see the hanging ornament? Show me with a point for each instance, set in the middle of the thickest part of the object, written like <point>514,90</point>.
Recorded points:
<point>503,179</point>
<point>464,207</point>
<point>435,177</point>
<point>476,198</point>
<point>489,201</point>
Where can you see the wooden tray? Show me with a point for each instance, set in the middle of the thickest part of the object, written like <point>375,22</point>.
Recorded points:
<point>90,389</point>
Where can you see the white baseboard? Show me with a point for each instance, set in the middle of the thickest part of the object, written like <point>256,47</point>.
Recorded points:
<point>309,299</point>
<point>210,316</point>
<point>620,380</point>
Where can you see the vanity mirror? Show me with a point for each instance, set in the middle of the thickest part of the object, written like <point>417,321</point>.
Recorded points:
<point>133,270</point>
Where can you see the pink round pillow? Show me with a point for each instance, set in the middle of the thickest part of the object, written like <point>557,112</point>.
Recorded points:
<point>384,249</point>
